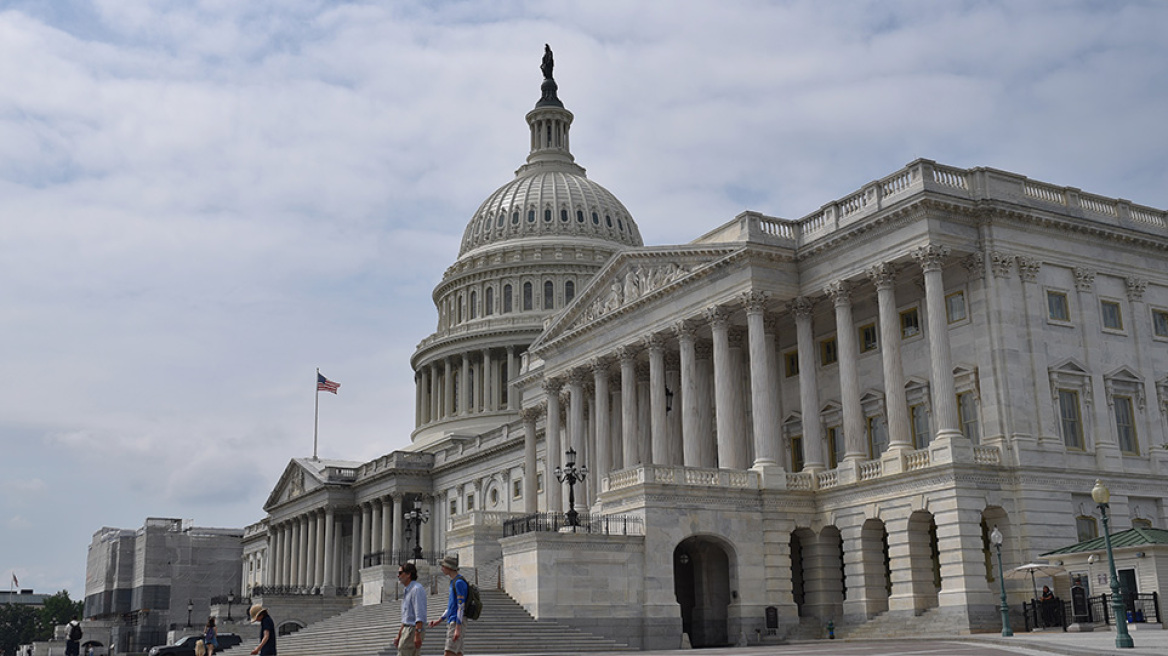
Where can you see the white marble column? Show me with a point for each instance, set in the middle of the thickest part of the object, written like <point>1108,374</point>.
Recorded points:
<point>616,419</point>
<point>644,414</point>
<point>435,395</point>
<point>375,513</point>
<point>397,513</point>
<point>762,391</point>
<point>464,387</point>
<point>554,451</point>
<point>944,393</point>
<point>730,454</point>
<point>276,558</point>
<point>387,529</point>
<point>286,553</point>
<point>418,396</point>
<point>601,422</point>
<point>302,569</point>
<point>530,487</point>
<point>512,368</point>
<point>895,403</point>
<point>330,551</point>
<point>488,383</point>
<point>355,571</point>
<point>813,446</point>
<point>447,387</point>
<point>310,550</point>
<point>628,367</point>
<point>690,442</point>
<point>740,375</point>
<point>658,442</point>
<point>320,548</point>
<point>294,575</point>
<point>704,364</point>
<point>673,408</point>
<point>848,354</point>
<point>366,531</point>
<point>576,414</point>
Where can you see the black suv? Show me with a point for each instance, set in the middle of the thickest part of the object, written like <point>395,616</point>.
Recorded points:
<point>186,646</point>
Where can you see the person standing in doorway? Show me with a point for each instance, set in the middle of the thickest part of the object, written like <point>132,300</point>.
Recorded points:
<point>413,612</point>
<point>455,608</point>
<point>267,646</point>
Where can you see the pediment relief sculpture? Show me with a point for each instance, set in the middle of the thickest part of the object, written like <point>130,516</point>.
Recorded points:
<point>637,282</point>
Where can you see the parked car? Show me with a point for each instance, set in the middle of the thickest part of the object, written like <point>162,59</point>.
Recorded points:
<point>186,645</point>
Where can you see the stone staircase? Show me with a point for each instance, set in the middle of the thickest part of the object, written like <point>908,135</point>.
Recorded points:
<point>895,625</point>
<point>505,627</point>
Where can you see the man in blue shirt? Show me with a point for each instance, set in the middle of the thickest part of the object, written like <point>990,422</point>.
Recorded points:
<point>455,607</point>
<point>413,612</point>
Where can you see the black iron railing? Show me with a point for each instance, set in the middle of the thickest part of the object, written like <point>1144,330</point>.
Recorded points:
<point>1141,608</point>
<point>296,590</point>
<point>554,522</point>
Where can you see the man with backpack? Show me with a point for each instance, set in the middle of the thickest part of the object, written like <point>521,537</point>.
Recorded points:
<point>455,613</point>
<point>73,637</point>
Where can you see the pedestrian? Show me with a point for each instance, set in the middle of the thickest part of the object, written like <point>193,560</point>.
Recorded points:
<point>211,636</point>
<point>267,646</point>
<point>455,608</point>
<point>73,635</point>
<point>413,612</point>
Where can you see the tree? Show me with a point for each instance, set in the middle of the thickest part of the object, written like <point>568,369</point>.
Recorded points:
<point>18,626</point>
<point>58,610</point>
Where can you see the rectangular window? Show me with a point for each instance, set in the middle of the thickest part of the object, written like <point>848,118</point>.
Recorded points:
<point>1057,307</point>
<point>910,323</point>
<point>791,363</point>
<point>797,453</point>
<point>1086,528</point>
<point>1070,419</point>
<point>967,411</point>
<point>1160,323</point>
<point>827,352</point>
<point>517,488</point>
<point>470,502</point>
<point>1125,425</point>
<point>1112,318</point>
<point>955,307</point>
<point>836,443</point>
<point>877,436</point>
<point>453,507</point>
<point>919,418</point>
<point>868,338</point>
<point>539,482</point>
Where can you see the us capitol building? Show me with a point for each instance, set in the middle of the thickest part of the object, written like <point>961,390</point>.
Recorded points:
<point>784,421</point>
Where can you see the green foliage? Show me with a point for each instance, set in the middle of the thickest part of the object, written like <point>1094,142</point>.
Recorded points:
<point>59,609</point>
<point>18,626</point>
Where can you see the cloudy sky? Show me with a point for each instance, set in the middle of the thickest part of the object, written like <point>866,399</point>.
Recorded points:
<point>204,201</point>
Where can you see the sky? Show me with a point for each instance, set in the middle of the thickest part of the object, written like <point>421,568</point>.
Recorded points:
<point>203,201</point>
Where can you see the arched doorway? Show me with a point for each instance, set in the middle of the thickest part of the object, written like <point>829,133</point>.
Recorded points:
<point>701,582</point>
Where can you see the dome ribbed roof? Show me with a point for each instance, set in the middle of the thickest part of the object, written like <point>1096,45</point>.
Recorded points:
<point>551,195</point>
<point>547,203</point>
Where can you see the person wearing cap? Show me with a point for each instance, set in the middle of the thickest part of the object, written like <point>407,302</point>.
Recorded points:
<point>413,612</point>
<point>267,646</point>
<point>455,608</point>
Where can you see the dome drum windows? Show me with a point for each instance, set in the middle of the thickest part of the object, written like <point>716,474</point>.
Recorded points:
<point>549,295</point>
<point>489,302</point>
<point>527,297</point>
<point>564,215</point>
<point>506,299</point>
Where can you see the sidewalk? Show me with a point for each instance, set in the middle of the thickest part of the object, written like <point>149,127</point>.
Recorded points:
<point>1148,642</point>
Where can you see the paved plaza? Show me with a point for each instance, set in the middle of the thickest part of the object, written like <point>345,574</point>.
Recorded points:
<point>1098,643</point>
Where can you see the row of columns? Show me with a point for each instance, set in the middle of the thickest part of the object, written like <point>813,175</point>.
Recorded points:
<point>713,420</point>
<point>481,380</point>
<point>306,550</point>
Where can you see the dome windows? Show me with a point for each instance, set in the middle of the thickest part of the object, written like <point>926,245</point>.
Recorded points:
<point>531,216</point>
<point>595,219</point>
<point>569,291</point>
<point>547,216</point>
<point>620,224</point>
<point>506,299</point>
<point>579,216</point>
<point>564,215</point>
<point>549,295</point>
<point>608,220</point>
<point>515,217</point>
<point>474,302</point>
<point>527,296</point>
<point>489,302</point>
<point>499,222</point>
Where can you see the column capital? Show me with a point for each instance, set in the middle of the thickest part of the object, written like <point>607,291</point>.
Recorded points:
<point>883,275</point>
<point>930,256</point>
<point>684,330</point>
<point>1028,268</point>
<point>1084,279</point>
<point>599,365</point>
<point>975,265</point>
<point>801,307</point>
<point>840,292</point>
<point>627,352</point>
<point>755,301</point>
<point>1135,288</point>
<point>552,386</point>
<point>718,316</point>
<point>577,376</point>
<point>770,324</point>
<point>1001,263</point>
<point>672,361</point>
<point>653,343</point>
<point>703,349</point>
<point>531,413</point>
<point>736,337</point>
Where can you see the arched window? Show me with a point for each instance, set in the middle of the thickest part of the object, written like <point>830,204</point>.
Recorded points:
<point>569,291</point>
<point>527,302</point>
<point>531,216</point>
<point>608,220</point>
<point>460,308</point>
<point>506,299</point>
<point>549,295</point>
<point>489,306</point>
<point>564,215</point>
<point>499,222</point>
<point>474,299</point>
<point>515,217</point>
<point>579,216</point>
<point>547,216</point>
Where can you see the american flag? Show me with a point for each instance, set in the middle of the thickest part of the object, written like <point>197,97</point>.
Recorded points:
<point>15,582</point>
<point>325,385</point>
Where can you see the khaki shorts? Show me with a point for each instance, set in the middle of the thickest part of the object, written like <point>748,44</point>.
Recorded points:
<point>405,646</point>
<point>453,645</point>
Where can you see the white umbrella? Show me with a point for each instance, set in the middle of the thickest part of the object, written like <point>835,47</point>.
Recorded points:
<point>1035,569</point>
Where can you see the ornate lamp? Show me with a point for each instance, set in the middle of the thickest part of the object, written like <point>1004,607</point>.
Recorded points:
<point>996,540</point>
<point>1123,639</point>
<point>571,475</point>
<point>230,600</point>
<point>417,516</point>
<point>190,607</point>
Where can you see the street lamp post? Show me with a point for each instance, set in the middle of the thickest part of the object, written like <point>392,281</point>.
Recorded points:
<point>190,607</point>
<point>996,539</point>
<point>417,516</point>
<point>1123,639</point>
<point>571,475</point>
<point>230,600</point>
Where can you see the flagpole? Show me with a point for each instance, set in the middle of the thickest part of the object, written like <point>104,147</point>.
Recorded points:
<point>316,418</point>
